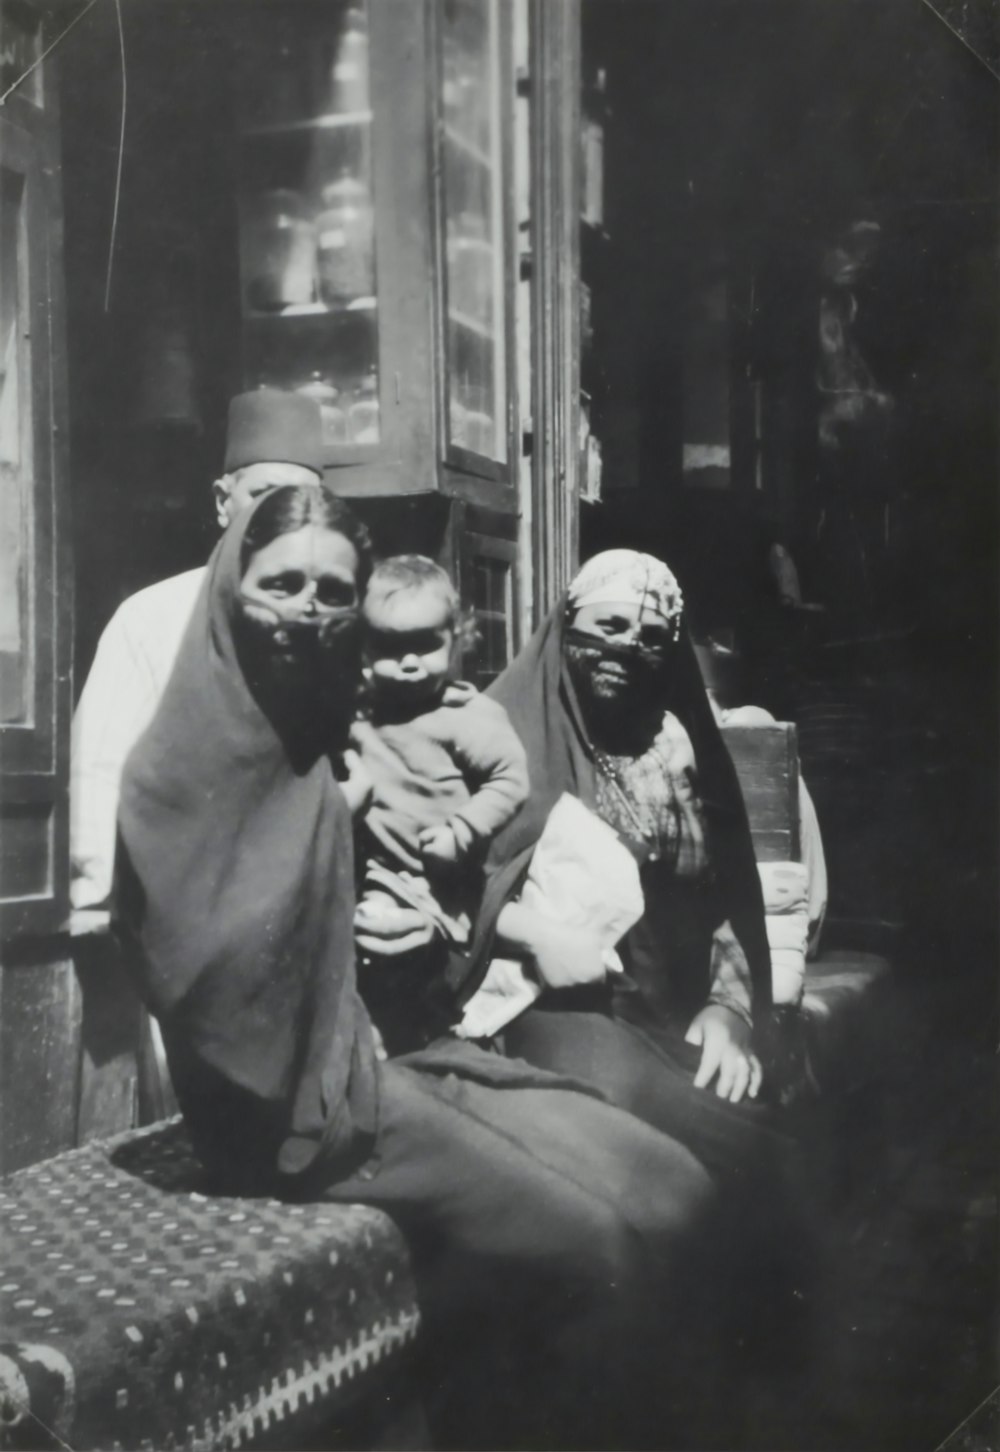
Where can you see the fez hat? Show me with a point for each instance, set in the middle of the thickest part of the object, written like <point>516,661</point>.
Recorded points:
<point>269,426</point>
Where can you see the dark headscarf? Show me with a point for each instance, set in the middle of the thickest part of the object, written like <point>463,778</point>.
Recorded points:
<point>537,692</point>
<point>238,882</point>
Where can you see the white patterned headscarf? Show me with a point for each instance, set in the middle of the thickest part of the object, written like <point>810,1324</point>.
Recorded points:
<point>626,577</point>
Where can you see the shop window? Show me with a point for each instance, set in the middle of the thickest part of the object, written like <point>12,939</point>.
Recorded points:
<point>474,227</point>
<point>307,214</point>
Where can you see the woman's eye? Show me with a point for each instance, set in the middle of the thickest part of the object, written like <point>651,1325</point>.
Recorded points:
<point>655,639</point>
<point>336,593</point>
<point>287,584</point>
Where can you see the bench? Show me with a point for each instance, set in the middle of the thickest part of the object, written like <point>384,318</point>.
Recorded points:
<point>138,1313</point>
<point>847,1002</point>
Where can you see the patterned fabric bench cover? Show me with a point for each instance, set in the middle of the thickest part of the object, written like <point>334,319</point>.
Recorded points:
<point>137,1313</point>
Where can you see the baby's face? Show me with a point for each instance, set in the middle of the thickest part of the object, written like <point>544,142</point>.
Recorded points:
<point>409,642</point>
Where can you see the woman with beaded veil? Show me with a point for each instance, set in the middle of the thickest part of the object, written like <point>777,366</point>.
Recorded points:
<point>609,703</point>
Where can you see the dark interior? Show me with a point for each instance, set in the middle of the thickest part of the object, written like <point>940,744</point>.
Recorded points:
<point>777,171</point>
<point>747,144</point>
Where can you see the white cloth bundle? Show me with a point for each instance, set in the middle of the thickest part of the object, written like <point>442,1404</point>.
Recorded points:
<point>788,937</point>
<point>785,886</point>
<point>788,930</point>
<point>788,976</point>
<point>581,874</point>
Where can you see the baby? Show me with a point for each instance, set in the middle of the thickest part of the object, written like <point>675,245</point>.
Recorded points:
<point>447,768</point>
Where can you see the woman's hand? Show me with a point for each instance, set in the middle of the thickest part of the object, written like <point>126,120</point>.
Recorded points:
<point>387,931</point>
<point>564,957</point>
<point>725,1051</point>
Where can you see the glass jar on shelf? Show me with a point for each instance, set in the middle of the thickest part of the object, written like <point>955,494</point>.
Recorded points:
<point>363,414</point>
<point>277,252</point>
<point>347,77</point>
<point>333,418</point>
<point>345,242</point>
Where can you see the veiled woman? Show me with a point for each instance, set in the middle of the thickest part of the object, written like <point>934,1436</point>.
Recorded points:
<point>609,704</point>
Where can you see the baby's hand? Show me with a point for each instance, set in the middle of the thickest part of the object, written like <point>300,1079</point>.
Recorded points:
<point>357,785</point>
<point>440,844</point>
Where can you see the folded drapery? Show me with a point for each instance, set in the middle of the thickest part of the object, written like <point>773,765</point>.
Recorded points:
<point>788,936</point>
<point>581,874</point>
<point>785,886</point>
<point>787,930</point>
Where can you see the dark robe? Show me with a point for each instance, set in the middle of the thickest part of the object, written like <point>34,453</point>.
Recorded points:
<point>238,881</point>
<point>626,1037</point>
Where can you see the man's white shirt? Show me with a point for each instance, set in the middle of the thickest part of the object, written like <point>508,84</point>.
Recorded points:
<point>134,659</point>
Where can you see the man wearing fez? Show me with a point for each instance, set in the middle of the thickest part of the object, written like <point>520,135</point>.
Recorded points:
<point>273,438</point>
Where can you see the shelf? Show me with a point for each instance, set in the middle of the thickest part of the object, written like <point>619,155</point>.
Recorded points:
<point>338,121</point>
<point>360,306</point>
<point>470,325</point>
<point>468,148</point>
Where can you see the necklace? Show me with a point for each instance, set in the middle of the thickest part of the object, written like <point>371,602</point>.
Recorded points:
<point>608,768</point>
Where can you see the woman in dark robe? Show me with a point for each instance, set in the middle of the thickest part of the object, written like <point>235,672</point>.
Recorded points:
<point>609,704</point>
<point>555,1239</point>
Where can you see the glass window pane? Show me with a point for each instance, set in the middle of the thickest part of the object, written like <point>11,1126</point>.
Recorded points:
<point>16,558</point>
<point>307,234</point>
<point>492,604</point>
<point>474,232</point>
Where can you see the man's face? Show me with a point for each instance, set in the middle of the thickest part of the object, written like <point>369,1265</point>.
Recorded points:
<point>236,492</point>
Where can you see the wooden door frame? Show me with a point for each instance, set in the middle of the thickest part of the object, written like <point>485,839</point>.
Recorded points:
<point>34,759</point>
<point>555,191</point>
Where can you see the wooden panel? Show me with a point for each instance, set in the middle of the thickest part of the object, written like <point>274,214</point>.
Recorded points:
<point>555,244</point>
<point>111,1028</point>
<point>491,522</point>
<point>26,849</point>
<point>40,1012</point>
<point>766,761</point>
<point>488,584</point>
